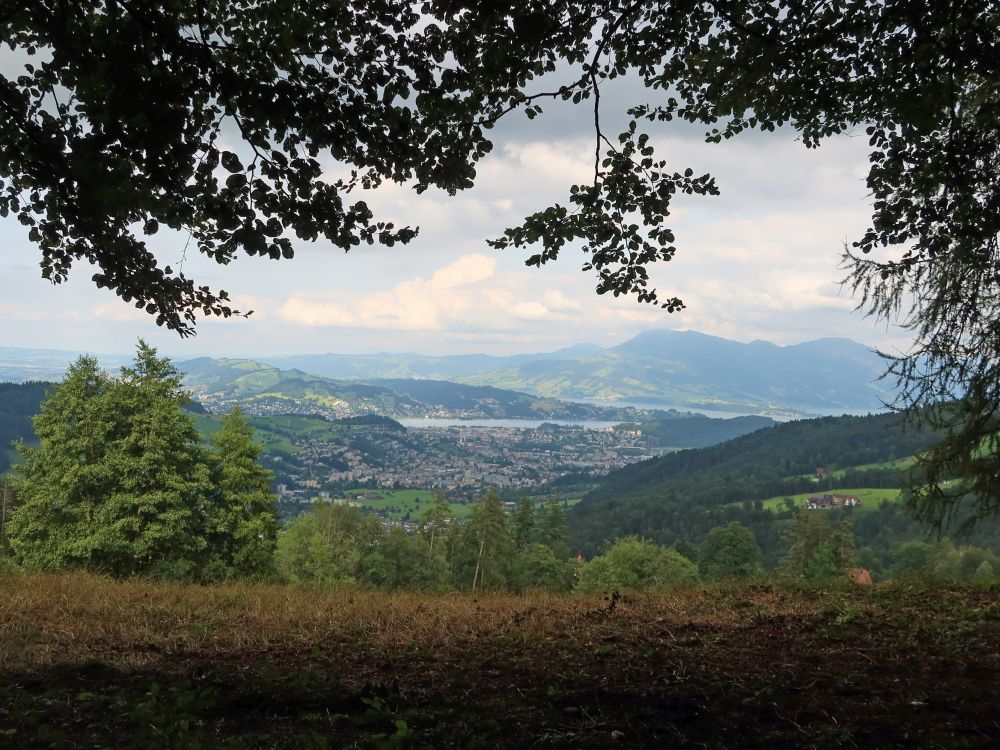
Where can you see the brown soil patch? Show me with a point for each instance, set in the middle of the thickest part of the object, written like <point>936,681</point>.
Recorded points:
<point>92,663</point>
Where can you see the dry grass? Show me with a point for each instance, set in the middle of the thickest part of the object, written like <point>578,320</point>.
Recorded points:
<point>54,618</point>
<point>894,665</point>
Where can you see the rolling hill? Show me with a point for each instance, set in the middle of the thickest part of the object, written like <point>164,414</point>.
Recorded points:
<point>220,384</point>
<point>683,494</point>
<point>260,389</point>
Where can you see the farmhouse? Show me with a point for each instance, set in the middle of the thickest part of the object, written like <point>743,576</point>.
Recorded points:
<point>824,502</point>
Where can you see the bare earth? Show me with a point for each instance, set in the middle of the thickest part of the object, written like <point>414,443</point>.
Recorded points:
<point>91,663</point>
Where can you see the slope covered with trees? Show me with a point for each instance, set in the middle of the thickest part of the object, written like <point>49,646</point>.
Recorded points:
<point>682,495</point>
<point>19,402</point>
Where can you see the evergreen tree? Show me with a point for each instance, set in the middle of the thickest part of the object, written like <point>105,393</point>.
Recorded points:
<point>553,527</point>
<point>845,553</point>
<point>121,484</point>
<point>524,522</point>
<point>806,533</point>
<point>485,550</point>
<point>61,483</point>
<point>153,520</point>
<point>822,564</point>
<point>242,523</point>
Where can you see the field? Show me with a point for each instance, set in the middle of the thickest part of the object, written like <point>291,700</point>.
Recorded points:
<point>89,663</point>
<point>274,434</point>
<point>870,498</point>
<point>402,504</point>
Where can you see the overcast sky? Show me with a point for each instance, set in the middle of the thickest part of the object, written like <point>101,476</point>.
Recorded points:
<point>758,262</point>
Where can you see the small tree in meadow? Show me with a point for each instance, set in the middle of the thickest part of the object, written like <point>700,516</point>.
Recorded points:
<point>633,563</point>
<point>729,552</point>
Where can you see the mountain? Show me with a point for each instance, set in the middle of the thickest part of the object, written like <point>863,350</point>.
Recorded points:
<point>258,388</point>
<point>692,370</point>
<point>411,365</point>
<point>264,389</point>
<point>660,368</point>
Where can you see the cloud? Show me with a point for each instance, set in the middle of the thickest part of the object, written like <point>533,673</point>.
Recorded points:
<point>559,302</point>
<point>444,300</point>
<point>313,313</point>
<point>119,312</point>
<point>466,270</point>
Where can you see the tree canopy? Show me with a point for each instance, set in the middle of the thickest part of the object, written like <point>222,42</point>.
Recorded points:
<point>115,128</point>
<point>120,482</point>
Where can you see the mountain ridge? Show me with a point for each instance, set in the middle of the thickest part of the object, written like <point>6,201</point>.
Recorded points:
<point>661,368</point>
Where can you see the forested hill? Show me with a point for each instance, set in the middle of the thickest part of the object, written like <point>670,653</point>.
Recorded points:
<point>19,402</point>
<point>665,497</point>
<point>697,430</point>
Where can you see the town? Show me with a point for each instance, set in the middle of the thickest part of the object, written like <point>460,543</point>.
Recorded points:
<point>460,461</point>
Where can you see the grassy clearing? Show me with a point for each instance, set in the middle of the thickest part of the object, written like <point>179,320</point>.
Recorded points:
<point>88,662</point>
<point>402,504</point>
<point>870,498</point>
<point>839,471</point>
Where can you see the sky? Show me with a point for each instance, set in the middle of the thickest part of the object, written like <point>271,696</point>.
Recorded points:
<point>758,262</point>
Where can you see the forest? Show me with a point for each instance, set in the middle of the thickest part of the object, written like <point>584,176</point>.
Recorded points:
<point>19,402</point>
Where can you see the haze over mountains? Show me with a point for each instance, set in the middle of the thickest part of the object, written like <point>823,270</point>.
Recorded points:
<point>660,368</point>
<point>657,368</point>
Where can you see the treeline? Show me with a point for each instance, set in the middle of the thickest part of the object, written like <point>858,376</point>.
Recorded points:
<point>19,402</point>
<point>337,544</point>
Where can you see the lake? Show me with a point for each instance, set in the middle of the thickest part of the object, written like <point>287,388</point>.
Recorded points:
<point>526,424</point>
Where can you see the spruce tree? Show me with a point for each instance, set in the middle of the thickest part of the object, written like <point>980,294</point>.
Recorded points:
<point>553,527</point>
<point>524,522</point>
<point>153,519</point>
<point>119,482</point>
<point>806,533</point>
<point>845,553</point>
<point>61,483</point>
<point>241,525</point>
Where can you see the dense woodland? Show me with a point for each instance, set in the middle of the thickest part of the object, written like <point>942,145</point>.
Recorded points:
<point>19,402</point>
<point>696,430</point>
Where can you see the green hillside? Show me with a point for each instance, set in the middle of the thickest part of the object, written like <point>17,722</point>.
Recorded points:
<point>259,388</point>
<point>19,402</point>
<point>264,389</point>
<point>696,430</point>
<point>681,495</point>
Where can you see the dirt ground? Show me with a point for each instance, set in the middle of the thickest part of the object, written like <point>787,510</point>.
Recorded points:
<point>88,663</point>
